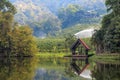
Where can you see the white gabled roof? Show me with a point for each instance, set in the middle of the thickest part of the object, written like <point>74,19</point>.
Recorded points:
<point>85,33</point>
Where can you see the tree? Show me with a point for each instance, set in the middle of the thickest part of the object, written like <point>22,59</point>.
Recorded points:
<point>108,36</point>
<point>97,41</point>
<point>6,6</point>
<point>6,22</point>
<point>114,6</point>
<point>112,36</point>
<point>7,10</point>
<point>22,42</point>
<point>14,40</point>
<point>69,40</point>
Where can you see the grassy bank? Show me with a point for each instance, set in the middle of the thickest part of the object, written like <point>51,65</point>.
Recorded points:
<point>106,57</point>
<point>103,57</point>
<point>50,55</point>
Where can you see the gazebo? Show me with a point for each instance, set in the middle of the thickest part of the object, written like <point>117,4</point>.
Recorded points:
<point>76,45</point>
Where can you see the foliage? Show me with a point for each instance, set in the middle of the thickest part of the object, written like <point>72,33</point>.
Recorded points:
<point>107,39</point>
<point>57,45</point>
<point>6,21</point>
<point>15,40</point>
<point>51,45</point>
<point>69,41</point>
<point>22,42</point>
<point>6,6</point>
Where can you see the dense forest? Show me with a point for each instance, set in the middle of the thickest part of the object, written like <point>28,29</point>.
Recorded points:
<point>107,38</point>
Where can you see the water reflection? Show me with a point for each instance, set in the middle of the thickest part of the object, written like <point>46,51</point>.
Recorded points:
<point>88,70</point>
<point>57,69</point>
<point>79,66</point>
<point>17,69</point>
<point>51,69</point>
<point>106,71</point>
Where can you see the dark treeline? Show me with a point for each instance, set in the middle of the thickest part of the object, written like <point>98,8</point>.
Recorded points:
<point>15,40</point>
<point>107,39</point>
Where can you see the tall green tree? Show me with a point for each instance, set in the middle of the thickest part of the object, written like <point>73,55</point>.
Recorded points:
<point>22,42</point>
<point>6,22</point>
<point>14,40</point>
<point>108,37</point>
<point>7,10</point>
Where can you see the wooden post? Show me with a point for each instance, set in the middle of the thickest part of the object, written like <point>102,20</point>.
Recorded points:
<point>86,52</point>
<point>86,61</point>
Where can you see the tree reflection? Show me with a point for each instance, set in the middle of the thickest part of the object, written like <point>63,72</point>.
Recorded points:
<point>106,71</point>
<point>17,69</point>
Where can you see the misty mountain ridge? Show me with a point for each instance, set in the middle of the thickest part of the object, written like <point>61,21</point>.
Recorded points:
<point>54,5</point>
<point>43,15</point>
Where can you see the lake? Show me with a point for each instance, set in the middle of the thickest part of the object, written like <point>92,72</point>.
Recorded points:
<point>58,69</point>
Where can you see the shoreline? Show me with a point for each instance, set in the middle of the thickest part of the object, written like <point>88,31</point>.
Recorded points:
<point>94,57</point>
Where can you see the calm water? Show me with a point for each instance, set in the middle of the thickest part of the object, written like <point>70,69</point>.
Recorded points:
<point>58,69</point>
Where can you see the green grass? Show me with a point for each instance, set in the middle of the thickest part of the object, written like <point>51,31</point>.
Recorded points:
<point>106,57</point>
<point>103,57</point>
<point>51,55</point>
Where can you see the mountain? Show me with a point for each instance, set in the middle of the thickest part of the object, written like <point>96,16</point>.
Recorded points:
<point>55,5</point>
<point>38,17</point>
<point>44,15</point>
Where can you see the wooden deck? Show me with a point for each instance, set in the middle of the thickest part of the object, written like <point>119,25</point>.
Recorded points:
<point>76,56</point>
<point>80,57</point>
